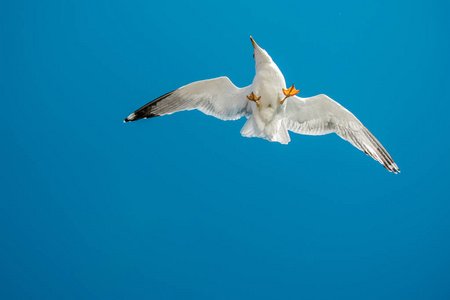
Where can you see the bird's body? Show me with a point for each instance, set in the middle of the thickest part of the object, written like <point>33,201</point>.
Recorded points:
<point>271,109</point>
<point>269,83</point>
<point>266,117</point>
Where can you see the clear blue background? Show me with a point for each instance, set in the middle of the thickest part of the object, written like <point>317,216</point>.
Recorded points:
<point>182,206</point>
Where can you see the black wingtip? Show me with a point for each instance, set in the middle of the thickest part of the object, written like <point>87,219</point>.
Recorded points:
<point>146,111</point>
<point>392,168</point>
<point>131,117</point>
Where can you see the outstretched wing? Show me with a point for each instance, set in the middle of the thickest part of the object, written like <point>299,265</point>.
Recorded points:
<point>217,97</point>
<point>320,115</point>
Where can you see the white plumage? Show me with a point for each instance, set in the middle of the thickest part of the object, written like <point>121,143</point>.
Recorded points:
<point>270,108</point>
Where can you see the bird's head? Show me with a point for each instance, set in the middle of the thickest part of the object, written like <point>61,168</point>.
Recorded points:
<point>260,55</point>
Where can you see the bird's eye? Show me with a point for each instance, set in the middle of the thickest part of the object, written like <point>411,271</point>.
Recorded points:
<point>253,55</point>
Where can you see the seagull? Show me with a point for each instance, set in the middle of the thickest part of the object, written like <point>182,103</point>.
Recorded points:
<point>271,108</point>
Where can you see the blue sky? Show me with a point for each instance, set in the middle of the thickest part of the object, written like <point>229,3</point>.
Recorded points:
<point>182,206</point>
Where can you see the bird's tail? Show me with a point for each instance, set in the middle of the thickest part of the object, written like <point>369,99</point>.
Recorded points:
<point>275,131</point>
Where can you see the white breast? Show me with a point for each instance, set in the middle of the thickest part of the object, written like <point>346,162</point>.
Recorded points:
<point>268,83</point>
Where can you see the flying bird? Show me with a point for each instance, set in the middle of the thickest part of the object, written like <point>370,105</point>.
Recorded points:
<point>271,109</point>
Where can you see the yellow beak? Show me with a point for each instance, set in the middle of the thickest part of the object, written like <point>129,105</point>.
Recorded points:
<point>253,42</point>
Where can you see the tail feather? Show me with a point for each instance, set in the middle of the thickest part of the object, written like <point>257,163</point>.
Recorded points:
<point>275,131</point>
<point>251,129</point>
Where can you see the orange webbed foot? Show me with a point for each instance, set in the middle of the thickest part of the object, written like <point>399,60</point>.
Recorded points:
<point>289,93</point>
<point>253,97</point>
